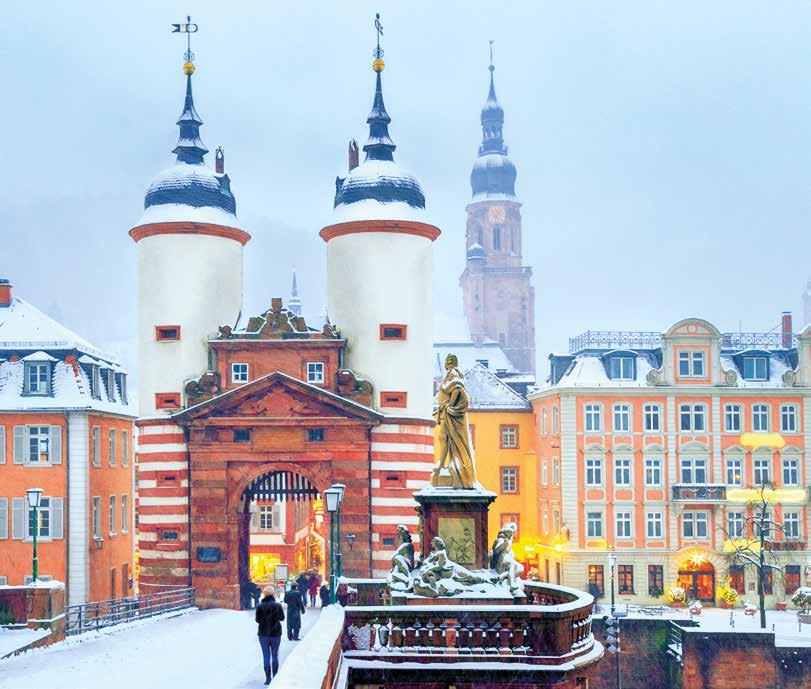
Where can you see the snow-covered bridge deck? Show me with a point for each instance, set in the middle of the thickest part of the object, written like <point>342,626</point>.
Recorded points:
<point>206,648</point>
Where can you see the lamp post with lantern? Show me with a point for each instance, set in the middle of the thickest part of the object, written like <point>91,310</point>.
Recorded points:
<point>333,497</point>
<point>34,496</point>
<point>612,561</point>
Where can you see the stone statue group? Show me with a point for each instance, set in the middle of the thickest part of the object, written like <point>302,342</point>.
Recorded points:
<point>436,575</point>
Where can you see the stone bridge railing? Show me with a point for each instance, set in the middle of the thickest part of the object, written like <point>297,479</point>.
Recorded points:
<point>552,627</point>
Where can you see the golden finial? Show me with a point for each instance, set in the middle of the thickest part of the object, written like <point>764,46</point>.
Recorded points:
<point>188,69</point>
<point>378,65</point>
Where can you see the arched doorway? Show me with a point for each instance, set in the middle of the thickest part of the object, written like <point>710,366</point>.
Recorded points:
<point>697,578</point>
<point>281,524</point>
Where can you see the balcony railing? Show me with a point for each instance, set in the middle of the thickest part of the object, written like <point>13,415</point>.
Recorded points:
<point>552,628</point>
<point>621,339</point>
<point>700,492</point>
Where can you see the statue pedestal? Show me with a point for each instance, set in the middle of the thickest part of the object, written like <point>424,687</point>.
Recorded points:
<point>459,517</point>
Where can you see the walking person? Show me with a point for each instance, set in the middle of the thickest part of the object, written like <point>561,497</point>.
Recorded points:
<point>325,597</point>
<point>295,609</point>
<point>315,582</point>
<point>303,585</point>
<point>269,616</point>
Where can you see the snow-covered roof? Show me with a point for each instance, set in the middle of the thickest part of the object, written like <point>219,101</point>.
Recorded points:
<point>471,353</point>
<point>370,209</point>
<point>487,391</point>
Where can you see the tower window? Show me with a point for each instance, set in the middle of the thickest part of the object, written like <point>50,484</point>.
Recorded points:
<point>167,333</point>
<point>497,237</point>
<point>315,371</point>
<point>393,331</point>
<point>393,399</point>
<point>242,435</point>
<point>167,400</point>
<point>315,435</point>
<point>239,372</point>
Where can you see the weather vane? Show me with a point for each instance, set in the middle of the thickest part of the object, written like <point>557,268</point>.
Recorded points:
<point>491,56</point>
<point>378,63</point>
<point>188,28</point>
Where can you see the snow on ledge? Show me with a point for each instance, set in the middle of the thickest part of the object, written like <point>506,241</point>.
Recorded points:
<point>307,666</point>
<point>38,584</point>
<point>179,212</point>
<point>371,209</point>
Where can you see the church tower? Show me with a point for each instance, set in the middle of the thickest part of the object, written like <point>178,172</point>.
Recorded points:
<point>499,299</point>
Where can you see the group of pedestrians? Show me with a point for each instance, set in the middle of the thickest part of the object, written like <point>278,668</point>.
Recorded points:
<point>270,614</point>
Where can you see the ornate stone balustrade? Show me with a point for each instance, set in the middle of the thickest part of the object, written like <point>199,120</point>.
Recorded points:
<point>552,628</point>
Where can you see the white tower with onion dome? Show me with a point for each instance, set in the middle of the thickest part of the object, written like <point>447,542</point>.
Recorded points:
<point>379,271</point>
<point>189,266</point>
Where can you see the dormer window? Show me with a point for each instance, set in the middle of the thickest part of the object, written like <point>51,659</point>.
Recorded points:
<point>691,364</point>
<point>95,382</point>
<point>621,368</point>
<point>755,368</point>
<point>109,382</point>
<point>121,379</point>
<point>37,378</point>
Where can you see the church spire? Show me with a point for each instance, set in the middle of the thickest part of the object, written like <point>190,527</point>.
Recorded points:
<point>294,304</point>
<point>379,146</point>
<point>492,118</point>
<point>190,148</point>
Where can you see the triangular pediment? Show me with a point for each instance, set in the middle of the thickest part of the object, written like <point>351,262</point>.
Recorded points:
<point>277,396</point>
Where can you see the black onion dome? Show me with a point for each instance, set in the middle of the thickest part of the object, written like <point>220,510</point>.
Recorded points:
<point>379,178</point>
<point>190,182</point>
<point>493,172</point>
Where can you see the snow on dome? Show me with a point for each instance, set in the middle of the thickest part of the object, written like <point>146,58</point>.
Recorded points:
<point>383,181</point>
<point>40,356</point>
<point>476,251</point>
<point>190,186</point>
<point>369,209</point>
<point>493,176</point>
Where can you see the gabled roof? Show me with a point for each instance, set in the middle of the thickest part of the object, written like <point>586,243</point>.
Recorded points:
<point>243,393</point>
<point>487,392</point>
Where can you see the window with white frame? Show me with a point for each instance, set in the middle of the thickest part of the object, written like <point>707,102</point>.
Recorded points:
<point>96,517</point>
<point>269,517</point>
<point>791,471</point>
<point>125,448</point>
<point>594,471</point>
<point>315,371</point>
<point>96,446</point>
<point>788,418</point>
<point>622,471</point>
<point>509,479</point>
<point>694,525</point>
<point>545,472</point>
<point>791,526</point>
<point>653,471</point>
<point>732,418</point>
<point>555,472</point>
<point>509,436</point>
<point>761,470</point>
<point>693,470</point>
<point>544,415</point>
<point>622,418</point>
<point>624,522</point>
<point>556,521</point>
<point>763,525</point>
<point>755,368</point>
<point>239,372</point>
<point>734,471</point>
<point>125,514</point>
<point>37,378</point>
<point>654,524</point>
<point>693,417</point>
<point>39,444</point>
<point>594,524</point>
<point>111,515</point>
<point>111,442</point>
<point>652,413</point>
<point>621,368</point>
<point>691,364</point>
<point>545,519</point>
<point>43,517</point>
<point>760,418</point>
<point>735,524</point>
<point>594,418</point>
<point>555,421</point>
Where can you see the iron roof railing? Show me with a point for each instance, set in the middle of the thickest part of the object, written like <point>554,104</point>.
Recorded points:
<point>619,339</point>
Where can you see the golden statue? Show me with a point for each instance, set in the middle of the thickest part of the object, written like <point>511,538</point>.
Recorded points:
<point>453,437</point>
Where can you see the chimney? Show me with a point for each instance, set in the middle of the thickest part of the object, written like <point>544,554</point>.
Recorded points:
<point>5,293</point>
<point>353,155</point>
<point>786,330</point>
<point>219,161</point>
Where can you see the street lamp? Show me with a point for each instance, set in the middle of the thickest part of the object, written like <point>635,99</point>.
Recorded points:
<point>612,561</point>
<point>333,497</point>
<point>34,499</point>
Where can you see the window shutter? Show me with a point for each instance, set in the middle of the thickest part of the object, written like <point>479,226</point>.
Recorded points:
<point>2,444</point>
<point>56,445</point>
<point>18,518</point>
<point>57,512</point>
<point>20,443</point>
<point>255,521</point>
<point>3,518</point>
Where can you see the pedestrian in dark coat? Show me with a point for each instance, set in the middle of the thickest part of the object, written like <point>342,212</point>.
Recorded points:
<point>303,584</point>
<point>269,616</point>
<point>325,597</point>
<point>295,609</point>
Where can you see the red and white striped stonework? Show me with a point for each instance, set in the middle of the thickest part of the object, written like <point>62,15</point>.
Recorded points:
<point>402,460</point>
<point>163,505</point>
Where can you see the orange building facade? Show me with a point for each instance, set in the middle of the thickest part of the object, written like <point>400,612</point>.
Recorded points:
<point>662,443</point>
<point>65,427</point>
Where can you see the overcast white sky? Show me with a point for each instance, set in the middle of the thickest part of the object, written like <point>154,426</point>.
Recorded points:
<point>662,148</point>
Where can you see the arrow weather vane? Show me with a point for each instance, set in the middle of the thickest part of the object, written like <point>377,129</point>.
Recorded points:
<point>378,53</point>
<point>188,28</point>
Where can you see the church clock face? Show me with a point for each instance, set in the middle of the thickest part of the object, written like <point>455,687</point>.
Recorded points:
<point>495,214</point>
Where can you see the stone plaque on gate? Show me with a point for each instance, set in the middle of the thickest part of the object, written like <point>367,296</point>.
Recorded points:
<point>459,534</point>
